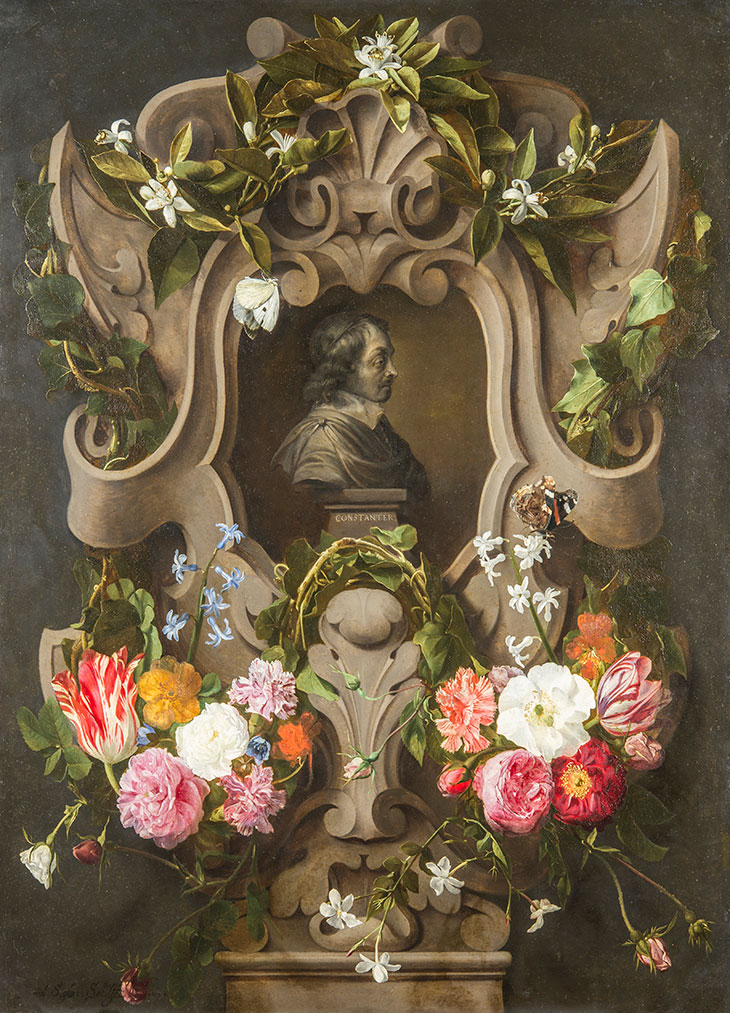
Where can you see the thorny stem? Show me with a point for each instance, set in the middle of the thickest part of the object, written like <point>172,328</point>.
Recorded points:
<point>538,625</point>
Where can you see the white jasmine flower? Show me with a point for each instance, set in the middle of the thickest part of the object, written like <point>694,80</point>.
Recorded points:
<point>382,41</point>
<point>40,861</point>
<point>118,135</point>
<point>336,911</point>
<point>256,304</point>
<point>544,711</point>
<point>377,61</point>
<point>212,740</point>
<point>544,602</point>
<point>441,879</point>
<point>531,552</point>
<point>519,598</point>
<point>249,130</point>
<point>523,201</point>
<point>570,159</point>
<point>490,564</point>
<point>517,650</point>
<point>486,542</point>
<point>538,910</point>
<point>282,142</point>
<point>379,967</point>
<point>164,196</point>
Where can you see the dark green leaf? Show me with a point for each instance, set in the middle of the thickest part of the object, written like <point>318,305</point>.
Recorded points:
<point>211,685</point>
<point>183,978</point>
<point>290,65</point>
<point>493,142</point>
<point>58,298</point>
<point>241,100</point>
<point>605,357</point>
<point>117,627</point>
<point>335,54</point>
<point>299,558</point>
<point>634,838</point>
<point>459,135</point>
<point>218,920</point>
<point>31,202</point>
<point>181,144</point>
<point>440,91</point>
<point>577,206</point>
<point>173,260</point>
<point>646,808</point>
<point>52,761</point>
<point>639,352</point>
<point>549,256</point>
<point>671,651</point>
<point>54,724</point>
<point>414,733</point>
<point>257,904</point>
<point>525,158</point>
<point>486,231</point>
<point>455,65</point>
<point>310,683</point>
<point>452,170</point>
<point>78,763</point>
<point>256,243</point>
<point>31,731</point>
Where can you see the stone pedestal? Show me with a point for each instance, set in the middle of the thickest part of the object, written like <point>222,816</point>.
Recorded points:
<point>314,982</point>
<point>352,512</point>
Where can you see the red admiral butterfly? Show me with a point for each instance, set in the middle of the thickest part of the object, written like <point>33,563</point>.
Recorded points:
<point>540,506</point>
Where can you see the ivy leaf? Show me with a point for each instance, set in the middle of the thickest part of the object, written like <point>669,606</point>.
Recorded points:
<point>58,298</point>
<point>117,627</point>
<point>605,357</point>
<point>120,166</point>
<point>639,352</point>
<point>173,260</point>
<point>414,733</point>
<point>404,537</point>
<point>256,243</point>
<point>31,203</point>
<point>651,296</point>
<point>586,388</point>
<point>671,651</point>
<point>310,683</point>
<point>525,159</point>
<point>486,231</point>
<point>702,224</point>
<point>31,731</point>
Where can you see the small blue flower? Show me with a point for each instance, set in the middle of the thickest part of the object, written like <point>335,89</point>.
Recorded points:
<point>217,634</point>
<point>143,735</point>
<point>232,534</point>
<point>231,580</point>
<point>174,624</point>
<point>180,566</point>
<point>213,603</point>
<point>259,749</point>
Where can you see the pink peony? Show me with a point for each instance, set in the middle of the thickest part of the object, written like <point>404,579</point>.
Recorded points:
<point>251,800</point>
<point>500,675</point>
<point>643,752</point>
<point>453,781</point>
<point>161,798</point>
<point>516,789</point>
<point>627,700</point>
<point>467,703</point>
<point>657,959</point>
<point>267,690</point>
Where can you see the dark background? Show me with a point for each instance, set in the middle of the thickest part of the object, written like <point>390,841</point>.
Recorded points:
<point>92,61</point>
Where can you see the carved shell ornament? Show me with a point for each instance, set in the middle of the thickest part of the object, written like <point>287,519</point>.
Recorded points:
<point>354,721</point>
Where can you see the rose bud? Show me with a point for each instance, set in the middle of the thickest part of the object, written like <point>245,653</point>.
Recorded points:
<point>134,990</point>
<point>89,852</point>
<point>643,752</point>
<point>500,675</point>
<point>657,959</point>
<point>453,781</point>
<point>627,700</point>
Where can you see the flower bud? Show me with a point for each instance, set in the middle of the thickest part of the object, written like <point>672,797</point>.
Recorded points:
<point>643,752</point>
<point>88,852</point>
<point>134,990</point>
<point>657,958</point>
<point>488,178</point>
<point>595,130</point>
<point>453,781</point>
<point>500,675</point>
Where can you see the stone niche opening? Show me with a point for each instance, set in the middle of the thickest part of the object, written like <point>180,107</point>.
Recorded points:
<point>438,405</point>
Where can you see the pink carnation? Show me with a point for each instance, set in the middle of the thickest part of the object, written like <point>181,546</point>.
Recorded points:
<point>516,789</point>
<point>251,800</point>
<point>161,798</point>
<point>467,703</point>
<point>267,690</point>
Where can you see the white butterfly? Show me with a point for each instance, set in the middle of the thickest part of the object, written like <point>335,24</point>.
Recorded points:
<point>256,304</point>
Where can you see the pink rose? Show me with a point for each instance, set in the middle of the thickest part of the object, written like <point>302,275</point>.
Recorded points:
<point>453,781</point>
<point>643,753</point>
<point>516,789</point>
<point>161,798</point>
<point>657,959</point>
<point>627,700</point>
<point>500,675</point>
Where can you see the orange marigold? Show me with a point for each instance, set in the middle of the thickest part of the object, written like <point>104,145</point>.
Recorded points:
<point>296,738</point>
<point>594,646</point>
<point>170,690</point>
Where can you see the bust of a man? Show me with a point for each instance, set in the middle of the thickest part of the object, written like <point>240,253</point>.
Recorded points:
<point>346,441</point>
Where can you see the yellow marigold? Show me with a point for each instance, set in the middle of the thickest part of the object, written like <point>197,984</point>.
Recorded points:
<point>170,691</point>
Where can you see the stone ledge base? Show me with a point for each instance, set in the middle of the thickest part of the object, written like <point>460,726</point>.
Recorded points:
<point>321,982</point>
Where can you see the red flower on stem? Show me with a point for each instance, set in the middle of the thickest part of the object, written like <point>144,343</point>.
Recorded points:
<point>134,989</point>
<point>590,785</point>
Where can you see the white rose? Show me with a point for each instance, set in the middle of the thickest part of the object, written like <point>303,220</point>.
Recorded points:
<point>544,711</point>
<point>40,862</point>
<point>208,743</point>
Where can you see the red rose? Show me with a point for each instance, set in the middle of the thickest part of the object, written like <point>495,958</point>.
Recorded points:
<point>134,991</point>
<point>89,852</point>
<point>589,785</point>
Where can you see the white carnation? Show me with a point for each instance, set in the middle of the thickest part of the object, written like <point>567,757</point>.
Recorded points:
<point>212,740</point>
<point>40,862</point>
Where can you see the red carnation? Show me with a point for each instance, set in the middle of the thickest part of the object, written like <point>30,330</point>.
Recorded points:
<point>589,785</point>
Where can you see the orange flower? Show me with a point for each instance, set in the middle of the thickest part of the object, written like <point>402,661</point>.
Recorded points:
<point>170,690</point>
<point>296,737</point>
<point>594,646</point>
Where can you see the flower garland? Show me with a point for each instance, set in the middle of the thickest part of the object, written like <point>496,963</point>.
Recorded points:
<point>549,751</point>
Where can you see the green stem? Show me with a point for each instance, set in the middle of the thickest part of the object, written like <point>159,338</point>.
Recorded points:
<point>538,625</point>
<point>111,778</point>
<point>192,649</point>
<point>619,893</point>
<point>145,854</point>
<point>657,886</point>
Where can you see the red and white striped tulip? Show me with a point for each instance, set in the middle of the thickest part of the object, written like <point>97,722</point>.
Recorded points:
<point>628,701</point>
<point>101,705</point>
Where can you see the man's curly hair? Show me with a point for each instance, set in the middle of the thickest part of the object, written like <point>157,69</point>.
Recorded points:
<point>335,346</point>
